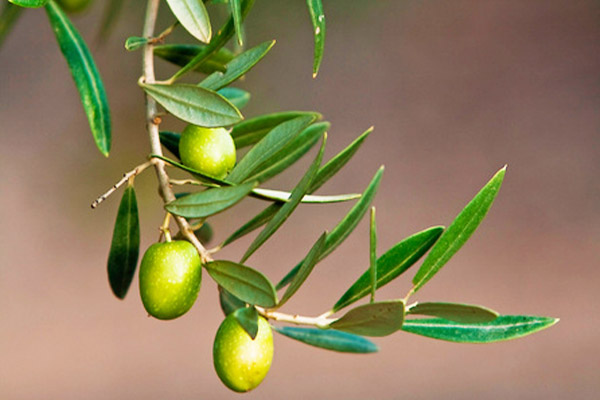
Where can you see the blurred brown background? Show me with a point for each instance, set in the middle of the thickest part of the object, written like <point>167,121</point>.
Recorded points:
<point>455,89</point>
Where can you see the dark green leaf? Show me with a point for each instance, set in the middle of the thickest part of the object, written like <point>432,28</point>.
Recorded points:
<point>289,154</point>
<point>345,226</point>
<point>315,8</point>
<point>332,167</point>
<point>284,197</point>
<point>309,262</point>
<point>181,54</point>
<point>252,130</point>
<point>247,317</point>
<point>505,327</point>
<point>259,220</point>
<point>329,339</point>
<point>465,313</point>
<point>459,231</point>
<point>125,246</point>
<point>29,3</point>
<point>85,74</point>
<point>194,104</point>
<point>193,17</point>
<point>210,201</point>
<point>374,319</point>
<point>236,13</point>
<point>237,67</point>
<point>111,14</point>
<point>135,42</point>
<point>286,210</point>
<point>271,144</point>
<point>243,282</point>
<point>171,141</point>
<point>229,303</point>
<point>218,41</point>
<point>392,264</point>
<point>9,16</point>
<point>237,97</point>
<point>373,255</point>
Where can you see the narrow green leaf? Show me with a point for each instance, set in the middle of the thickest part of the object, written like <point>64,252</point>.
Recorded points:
<point>329,339</point>
<point>236,12</point>
<point>311,259</point>
<point>218,41</point>
<point>505,327</point>
<point>193,17</point>
<point>209,202</point>
<point>271,144</point>
<point>29,3</point>
<point>392,264</point>
<point>243,282</point>
<point>237,97</point>
<point>345,226</point>
<point>317,17</point>
<point>332,167</point>
<point>135,42</point>
<point>465,313</point>
<point>373,319</point>
<point>256,222</point>
<point>9,16</point>
<point>194,104</point>
<point>288,155</point>
<point>110,16</point>
<point>286,210</point>
<point>85,74</point>
<point>237,67</point>
<point>284,197</point>
<point>252,130</point>
<point>192,171</point>
<point>181,54</point>
<point>247,317</point>
<point>459,231</point>
<point>125,246</point>
<point>171,141</point>
<point>373,254</point>
<point>229,303</point>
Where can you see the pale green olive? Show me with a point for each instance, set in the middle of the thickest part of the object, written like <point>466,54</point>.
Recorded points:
<point>240,362</point>
<point>170,277</point>
<point>207,150</point>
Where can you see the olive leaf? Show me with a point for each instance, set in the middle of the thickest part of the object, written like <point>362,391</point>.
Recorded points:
<point>229,303</point>
<point>237,97</point>
<point>392,264</point>
<point>210,201</point>
<point>29,3</point>
<point>193,17</point>
<point>329,339</point>
<point>317,17</point>
<point>373,319</point>
<point>85,74</point>
<point>465,313</point>
<point>247,317</point>
<point>505,327</point>
<point>125,245</point>
<point>236,12</point>
<point>194,104</point>
<point>245,283</point>
<point>373,254</point>
<point>181,54</point>
<point>459,231</point>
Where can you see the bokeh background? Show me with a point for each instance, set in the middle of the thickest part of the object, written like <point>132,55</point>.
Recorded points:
<point>455,89</point>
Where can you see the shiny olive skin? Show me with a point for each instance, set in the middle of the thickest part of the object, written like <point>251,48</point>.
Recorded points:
<point>240,362</point>
<point>170,278</point>
<point>207,150</point>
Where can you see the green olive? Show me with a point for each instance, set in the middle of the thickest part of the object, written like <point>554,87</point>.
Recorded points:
<point>208,150</point>
<point>170,277</point>
<point>240,362</point>
<point>73,5</point>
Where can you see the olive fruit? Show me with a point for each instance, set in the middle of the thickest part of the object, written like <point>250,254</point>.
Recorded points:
<point>73,5</point>
<point>170,277</point>
<point>240,362</point>
<point>208,150</point>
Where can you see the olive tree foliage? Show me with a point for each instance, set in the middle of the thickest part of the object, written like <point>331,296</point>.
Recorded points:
<point>274,141</point>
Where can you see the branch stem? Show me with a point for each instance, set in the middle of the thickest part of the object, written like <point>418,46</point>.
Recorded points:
<point>126,177</point>
<point>319,322</point>
<point>152,127</point>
